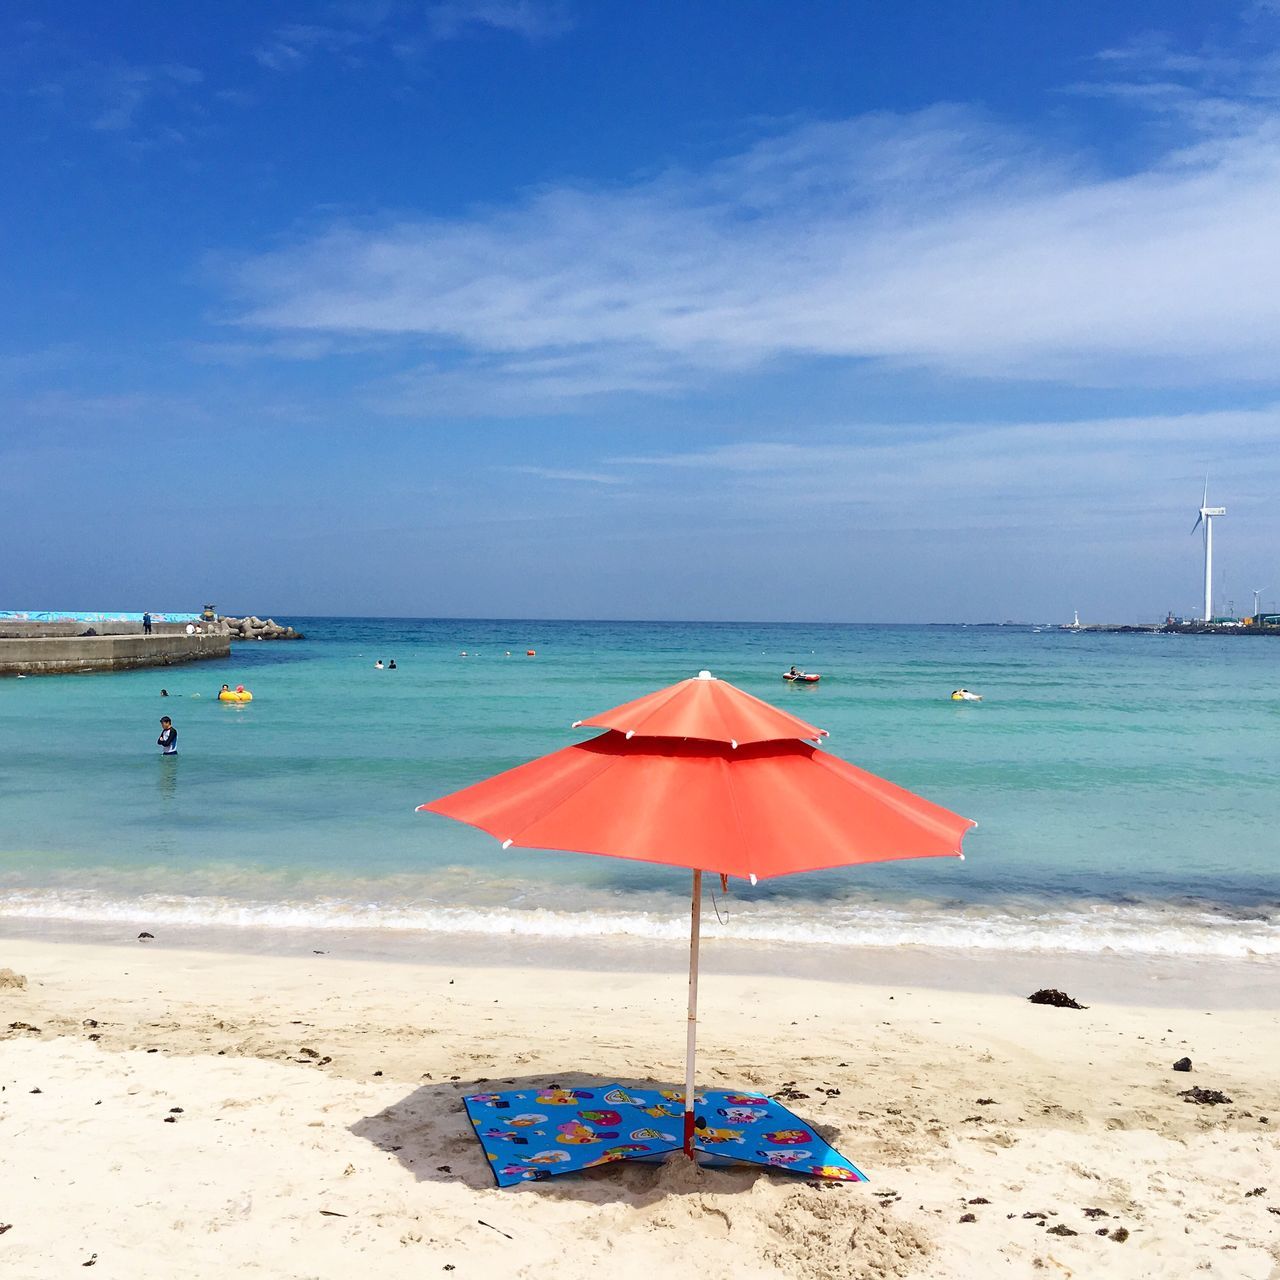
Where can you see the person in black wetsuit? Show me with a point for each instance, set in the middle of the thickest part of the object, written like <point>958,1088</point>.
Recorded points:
<point>168,739</point>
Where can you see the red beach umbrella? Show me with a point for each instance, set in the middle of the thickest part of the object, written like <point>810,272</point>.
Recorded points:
<point>704,708</point>
<point>704,776</point>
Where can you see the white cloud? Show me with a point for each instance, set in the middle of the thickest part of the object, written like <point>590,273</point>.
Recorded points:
<point>293,44</point>
<point>526,384</point>
<point>1043,477</point>
<point>568,476</point>
<point>407,30</point>
<point>529,18</point>
<point>937,240</point>
<point>127,89</point>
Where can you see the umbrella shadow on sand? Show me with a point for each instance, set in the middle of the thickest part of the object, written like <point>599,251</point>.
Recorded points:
<point>429,1133</point>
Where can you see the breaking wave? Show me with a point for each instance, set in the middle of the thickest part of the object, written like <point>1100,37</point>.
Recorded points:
<point>1083,927</point>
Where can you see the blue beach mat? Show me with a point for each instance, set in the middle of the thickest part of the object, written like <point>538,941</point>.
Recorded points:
<point>538,1133</point>
<point>534,1133</point>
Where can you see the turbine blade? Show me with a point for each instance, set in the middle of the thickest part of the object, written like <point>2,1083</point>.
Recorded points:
<point>1195,526</point>
<point>1204,502</point>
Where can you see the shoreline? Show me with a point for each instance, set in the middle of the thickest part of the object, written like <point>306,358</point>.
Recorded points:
<point>1201,982</point>
<point>171,1110</point>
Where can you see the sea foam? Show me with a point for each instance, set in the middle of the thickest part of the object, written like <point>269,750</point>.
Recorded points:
<point>1084,929</point>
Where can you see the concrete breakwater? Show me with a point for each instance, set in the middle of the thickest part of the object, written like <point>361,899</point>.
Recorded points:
<point>58,655</point>
<point>253,628</point>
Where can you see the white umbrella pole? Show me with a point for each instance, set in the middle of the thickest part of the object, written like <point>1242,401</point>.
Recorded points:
<point>692,1043</point>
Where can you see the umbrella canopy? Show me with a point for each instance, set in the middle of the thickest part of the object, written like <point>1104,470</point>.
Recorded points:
<point>704,776</point>
<point>704,707</point>
<point>756,811</point>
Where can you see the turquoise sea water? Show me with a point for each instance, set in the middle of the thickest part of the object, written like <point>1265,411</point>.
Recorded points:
<point>1125,785</point>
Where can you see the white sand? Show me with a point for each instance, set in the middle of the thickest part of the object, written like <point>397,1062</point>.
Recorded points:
<point>1081,1113</point>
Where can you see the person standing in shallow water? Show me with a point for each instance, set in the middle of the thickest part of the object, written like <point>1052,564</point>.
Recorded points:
<point>168,739</point>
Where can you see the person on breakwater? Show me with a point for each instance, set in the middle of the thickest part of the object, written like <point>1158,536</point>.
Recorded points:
<point>146,624</point>
<point>168,739</point>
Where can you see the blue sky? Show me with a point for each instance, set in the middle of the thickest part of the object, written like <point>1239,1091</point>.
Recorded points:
<point>832,311</point>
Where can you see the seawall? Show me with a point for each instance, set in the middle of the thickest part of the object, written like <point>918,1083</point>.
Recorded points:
<point>56,655</point>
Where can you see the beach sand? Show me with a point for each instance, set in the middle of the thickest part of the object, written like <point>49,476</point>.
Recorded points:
<point>168,1112</point>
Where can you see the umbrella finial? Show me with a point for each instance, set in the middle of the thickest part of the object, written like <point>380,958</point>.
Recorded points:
<point>705,675</point>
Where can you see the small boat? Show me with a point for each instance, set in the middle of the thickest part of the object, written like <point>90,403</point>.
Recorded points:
<point>801,677</point>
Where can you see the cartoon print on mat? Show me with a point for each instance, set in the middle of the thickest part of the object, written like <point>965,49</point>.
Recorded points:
<point>703,1134</point>
<point>663,1109</point>
<point>769,1134</point>
<point>615,1096</point>
<point>739,1115</point>
<point>784,1159</point>
<point>622,1152</point>
<point>749,1128</point>
<point>577,1134</point>
<point>557,1097</point>
<point>548,1157</point>
<point>600,1117</point>
<point>504,1135</point>
<point>523,1144</point>
<point>788,1137</point>
<point>677,1095</point>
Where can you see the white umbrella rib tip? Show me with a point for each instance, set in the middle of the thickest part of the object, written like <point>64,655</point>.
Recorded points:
<point>752,878</point>
<point>506,844</point>
<point>631,733</point>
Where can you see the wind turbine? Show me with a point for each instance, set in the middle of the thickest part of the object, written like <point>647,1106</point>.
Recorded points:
<point>1206,516</point>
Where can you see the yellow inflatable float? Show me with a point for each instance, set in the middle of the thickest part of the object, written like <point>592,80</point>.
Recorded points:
<point>238,694</point>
